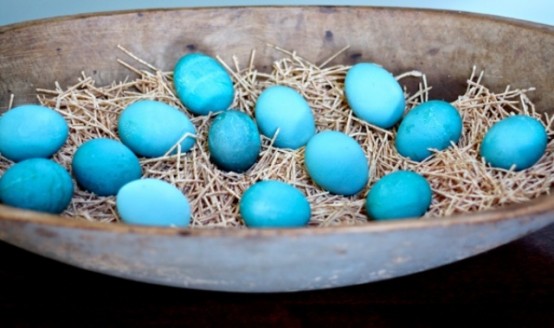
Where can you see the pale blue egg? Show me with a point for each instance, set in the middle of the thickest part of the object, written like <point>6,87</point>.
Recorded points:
<point>283,109</point>
<point>337,163</point>
<point>518,140</point>
<point>399,195</point>
<point>202,84</point>
<point>31,131</point>
<point>102,166</point>
<point>153,202</point>
<point>151,128</point>
<point>274,204</point>
<point>37,184</point>
<point>374,94</point>
<point>434,124</point>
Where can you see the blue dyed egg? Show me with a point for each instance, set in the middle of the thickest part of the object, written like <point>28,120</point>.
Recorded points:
<point>518,140</point>
<point>398,195</point>
<point>282,108</point>
<point>274,204</point>
<point>31,131</point>
<point>234,141</point>
<point>202,84</point>
<point>374,94</point>
<point>337,163</point>
<point>37,184</point>
<point>152,202</point>
<point>102,166</point>
<point>151,128</point>
<point>430,125</point>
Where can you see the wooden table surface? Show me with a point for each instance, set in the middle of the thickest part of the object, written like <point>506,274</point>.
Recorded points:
<point>510,286</point>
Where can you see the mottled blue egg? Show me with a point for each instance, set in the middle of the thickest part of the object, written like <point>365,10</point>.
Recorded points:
<point>434,124</point>
<point>337,163</point>
<point>151,128</point>
<point>274,204</point>
<point>102,166</point>
<point>398,195</point>
<point>234,141</point>
<point>202,84</point>
<point>518,140</point>
<point>37,184</point>
<point>284,109</point>
<point>31,131</point>
<point>374,94</point>
<point>153,202</point>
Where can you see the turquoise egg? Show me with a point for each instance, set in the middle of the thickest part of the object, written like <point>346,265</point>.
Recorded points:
<point>337,163</point>
<point>274,204</point>
<point>518,140</point>
<point>430,125</point>
<point>202,84</point>
<point>31,131</point>
<point>374,94</point>
<point>152,202</point>
<point>37,184</point>
<point>234,141</point>
<point>102,166</point>
<point>398,195</point>
<point>150,128</point>
<point>282,108</point>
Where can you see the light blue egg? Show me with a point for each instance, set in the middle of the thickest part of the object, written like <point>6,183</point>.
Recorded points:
<point>518,140</point>
<point>399,195</point>
<point>374,94</point>
<point>283,108</point>
<point>274,204</point>
<point>37,184</point>
<point>153,202</point>
<point>202,84</point>
<point>337,163</point>
<point>151,128</point>
<point>31,131</point>
<point>434,124</point>
<point>234,141</point>
<point>102,166</point>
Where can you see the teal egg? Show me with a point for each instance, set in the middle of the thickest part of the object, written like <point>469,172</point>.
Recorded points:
<point>152,202</point>
<point>430,125</point>
<point>37,184</point>
<point>398,195</point>
<point>337,163</point>
<point>31,131</point>
<point>202,84</point>
<point>518,140</point>
<point>374,94</point>
<point>283,108</point>
<point>102,166</point>
<point>234,141</point>
<point>274,204</point>
<point>150,128</point>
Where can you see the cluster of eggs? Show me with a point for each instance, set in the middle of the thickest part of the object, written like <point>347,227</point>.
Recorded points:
<point>336,162</point>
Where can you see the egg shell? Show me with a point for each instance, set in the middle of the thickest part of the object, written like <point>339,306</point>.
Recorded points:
<point>274,204</point>
<point>153,202</point>
<point>518,140</point>
<point>430,125</point>
<point>374,94</point>
<point>202,84</point>
<point>37,184</point>
<point>399,195</point>
<point>102,166</point>
<point>234,141</point>
<point>151,128</point>
<point>31,131</point>
<point>283,108</point>
<point>337,163</point>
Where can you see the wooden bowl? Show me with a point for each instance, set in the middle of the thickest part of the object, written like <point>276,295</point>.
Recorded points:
<point>444,45</point>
